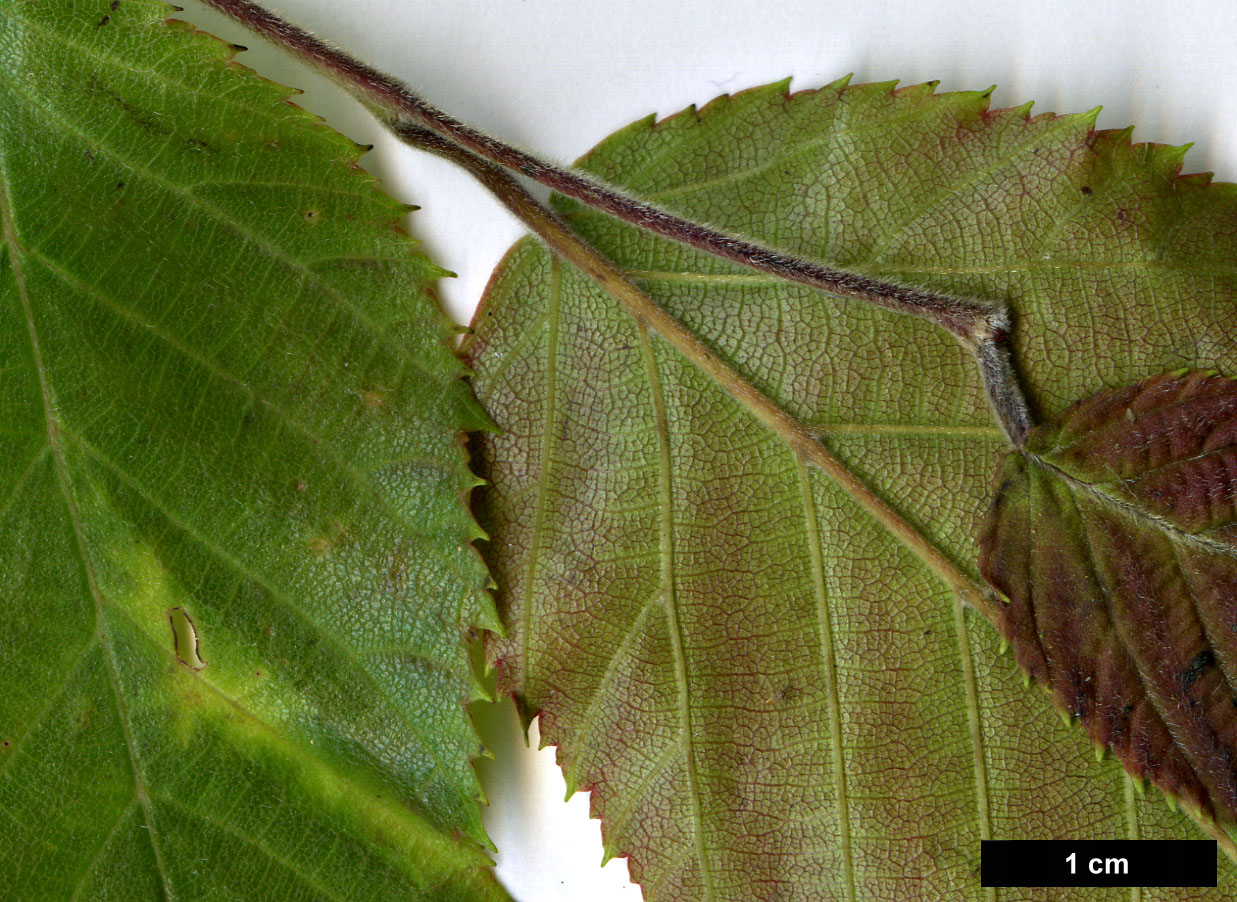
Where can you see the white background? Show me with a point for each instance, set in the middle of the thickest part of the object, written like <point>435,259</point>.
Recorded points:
<point>557,75</point>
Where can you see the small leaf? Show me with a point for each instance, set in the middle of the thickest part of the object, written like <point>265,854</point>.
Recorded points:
<point>235,561</point>
<point>768,694</point>
<point>1114,537</point>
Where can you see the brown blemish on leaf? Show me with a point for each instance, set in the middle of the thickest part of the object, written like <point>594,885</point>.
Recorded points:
<point>373,399</point>
<point>322,545</point>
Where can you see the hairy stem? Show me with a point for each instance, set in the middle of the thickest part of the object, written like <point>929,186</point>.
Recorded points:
<point>615,281</point>
<point>981,326</point>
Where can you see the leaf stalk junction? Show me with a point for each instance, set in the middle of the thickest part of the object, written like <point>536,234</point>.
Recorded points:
<point>980,326</point>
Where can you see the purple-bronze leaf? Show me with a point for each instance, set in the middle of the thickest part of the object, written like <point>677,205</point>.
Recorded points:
<point>1114,538</point>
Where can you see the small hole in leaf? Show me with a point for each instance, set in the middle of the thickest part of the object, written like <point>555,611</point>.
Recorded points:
<point>311,216</point>
<point>185,639</point>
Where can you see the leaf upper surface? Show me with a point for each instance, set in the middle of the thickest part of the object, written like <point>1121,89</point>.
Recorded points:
<point>768,695</point>
<point>235,561</point>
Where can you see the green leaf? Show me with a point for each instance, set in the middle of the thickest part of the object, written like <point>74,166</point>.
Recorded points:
<point>768,694</point>
<point>1112,537</point>
<point>234,558</point>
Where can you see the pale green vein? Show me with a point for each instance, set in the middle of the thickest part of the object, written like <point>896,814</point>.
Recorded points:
<point>517,349</point>
<point>431,844</point>
<point>824,619</point>
<point>1131,824</point>
<point>237,566</point>
<point>275,253</point>
<point>974,726</point>
<point>89,869</point>
<point>943,430</point>
<point>53,440</point>
<point>549,429</point>
<point>971,176</point>
<point>739,175</point>
<point>52,697</point>
<point>20,482</point>
<point>585,726</point>
<point>289,866</point>
<point>616,820</point>
<point>670,593</point>
<point>155,77</point>
<point>1120,634</point>
<point>356,477</point>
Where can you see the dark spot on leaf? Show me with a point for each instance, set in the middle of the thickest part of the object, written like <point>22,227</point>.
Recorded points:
<point>5,744</point>
<point>1196,668</point>
<point>145,119</point>
<point>311,216</point>
<point>1122,216</point>
<point>103,21</point>
<point>115,5</point>
<point>119,185</point>
<point>1086,189</point>
<point>789,693</point>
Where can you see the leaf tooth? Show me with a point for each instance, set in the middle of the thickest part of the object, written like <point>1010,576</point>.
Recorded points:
<point>608,853</point>
<point>1027,679</point>
<point>1172,803</point>
<point>1066,718</point>
<point>1003,647</point>
<point>1023,110</point>
<point>1101,752</point>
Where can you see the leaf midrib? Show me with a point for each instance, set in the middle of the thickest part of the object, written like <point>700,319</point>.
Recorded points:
<point>311,276</point>
<point>10,240</point>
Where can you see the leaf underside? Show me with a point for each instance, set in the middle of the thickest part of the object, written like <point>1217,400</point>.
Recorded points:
<point>1114,537</point>
<point>235,564</point>
<point>768,695</point>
